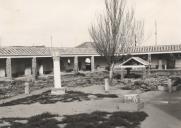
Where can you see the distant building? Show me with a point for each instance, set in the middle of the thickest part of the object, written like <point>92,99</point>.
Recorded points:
<point>33,61</point>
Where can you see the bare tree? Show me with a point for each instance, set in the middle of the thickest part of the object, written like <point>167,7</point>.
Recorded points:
<point>115,30</point>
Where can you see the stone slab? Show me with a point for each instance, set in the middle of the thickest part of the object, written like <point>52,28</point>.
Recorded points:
<point>58,91</point>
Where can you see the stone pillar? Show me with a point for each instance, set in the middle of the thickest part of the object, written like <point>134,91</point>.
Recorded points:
<point>56,70</point>
<point>76,69</point>
<point>27,88</point>
<point>41,70</point>
<point>34,67</point>
<point>8,68</point>
<point>57,90</point>
<point>92,64</point>
<point>160,64</point>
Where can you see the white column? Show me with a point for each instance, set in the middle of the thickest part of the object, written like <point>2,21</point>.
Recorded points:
<point>56,70</point>
<point>27,71</point>
<point>92,64</point>
<point>159,64</point>
<point>76,63</point>
<point>34,67</point>
<point>41,70</point>
<point>8,68</point>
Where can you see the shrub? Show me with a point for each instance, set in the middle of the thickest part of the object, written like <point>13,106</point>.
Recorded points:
<point>79,74</point>
<point>117,76</point>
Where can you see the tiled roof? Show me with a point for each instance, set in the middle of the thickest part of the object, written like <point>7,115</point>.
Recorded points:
<point>24,51</point>
<point>154,49</point>
<point>142,49</point>
<point>78,51</point>
<point>45,51</point>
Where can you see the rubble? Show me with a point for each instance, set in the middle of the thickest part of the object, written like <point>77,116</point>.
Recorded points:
<point>15,87</point>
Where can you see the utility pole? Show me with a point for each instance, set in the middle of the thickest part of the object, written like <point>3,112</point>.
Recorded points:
<point>156,34</point>
<point>135,41</point>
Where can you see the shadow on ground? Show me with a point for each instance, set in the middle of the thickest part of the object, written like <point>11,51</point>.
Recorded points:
<point>93,120</point>
<point>47,98</point>
<point>169,103</point>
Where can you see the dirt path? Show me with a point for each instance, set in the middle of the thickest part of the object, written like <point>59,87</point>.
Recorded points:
<point>107,104</point>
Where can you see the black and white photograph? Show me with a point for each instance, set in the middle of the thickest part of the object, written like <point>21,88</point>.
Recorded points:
<point>90,64</point>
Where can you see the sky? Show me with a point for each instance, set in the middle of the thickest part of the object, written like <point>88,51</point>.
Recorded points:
<point>33,22</point>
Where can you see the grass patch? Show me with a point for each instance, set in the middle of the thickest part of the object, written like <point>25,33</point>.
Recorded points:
<point>96,119</point>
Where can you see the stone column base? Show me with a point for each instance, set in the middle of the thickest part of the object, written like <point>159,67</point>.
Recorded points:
<point>58,91</point>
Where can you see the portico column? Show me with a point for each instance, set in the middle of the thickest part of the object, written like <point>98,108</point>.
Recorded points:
<point>92,64</point>
<point>34,67</point>
<point>160,64</point>
<point>2,69</point>
<point>8,68</point>
<point>76,63</point>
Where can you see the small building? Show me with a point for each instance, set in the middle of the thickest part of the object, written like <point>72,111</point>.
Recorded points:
<point>134,63</point>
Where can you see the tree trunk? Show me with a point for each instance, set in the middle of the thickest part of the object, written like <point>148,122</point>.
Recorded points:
<point>111,73</point>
